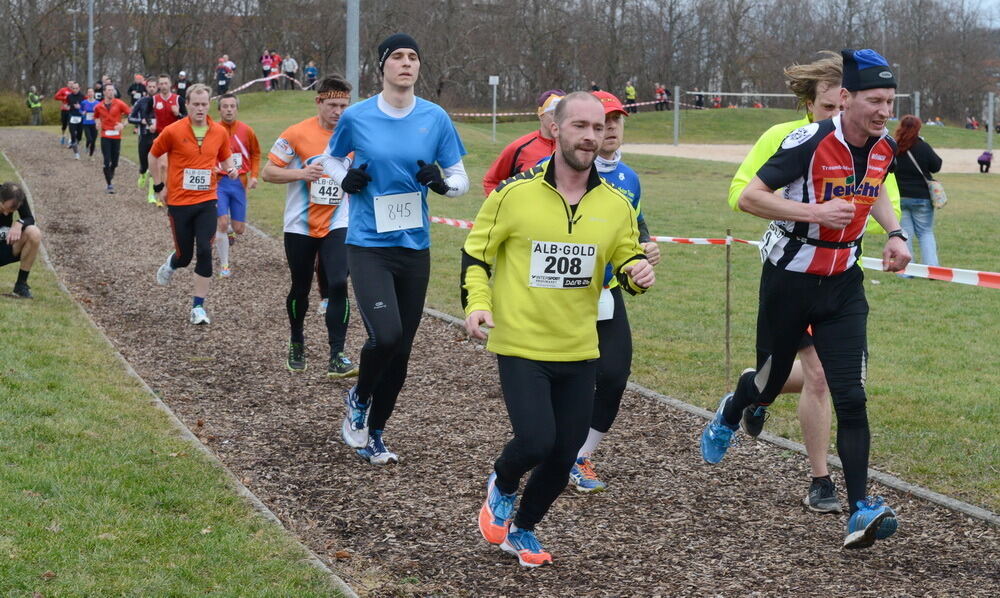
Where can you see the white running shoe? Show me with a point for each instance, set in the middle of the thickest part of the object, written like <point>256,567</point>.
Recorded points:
<point>354,430</point>
<point>165,272</point>
<point>376,452</point>
<point>199,315</point>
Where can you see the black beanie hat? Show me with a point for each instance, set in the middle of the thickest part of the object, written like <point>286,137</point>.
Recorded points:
<point>393,43</point>
<point>866,69</point>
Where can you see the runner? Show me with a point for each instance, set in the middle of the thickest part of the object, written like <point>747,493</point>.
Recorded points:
<point>543,306</point>
<point>194,147</point>
<point>60,96</point>
<point>144,115</point>
<point>34,103</point>
<point>20,239</point>
<point>109,114</point>
<point>182,85</point>
<point>233,192</point>
<point>312,73</point>
<point>222,76</point>
<point>399,140</point>
<point>75,102</point>
<point>168,107</point>
<point>817,87</point>
<point>316,216</point>
<point>613,332</point>
<point>811,276</point>
<point>525,151</point>
<point>137,90</point>
<point>89,126</point>
<point>630,97</point>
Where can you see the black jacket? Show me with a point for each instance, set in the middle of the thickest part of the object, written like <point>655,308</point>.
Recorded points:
<point>911,183</point>
<point>23,213</point>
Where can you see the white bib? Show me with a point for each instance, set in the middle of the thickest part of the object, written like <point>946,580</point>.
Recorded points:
<point>562,265</point>
<point>237,160</point>
<point>89,116</point>
<point>606,305</point>
<point>196,179</point>
<point>325,192</point>
<point>111,133</point>
<point>401,211</point>
<point>772,235</point>
<point>75,120</point>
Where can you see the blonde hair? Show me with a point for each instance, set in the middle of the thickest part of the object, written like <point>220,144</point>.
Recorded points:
<point>803,79</point>
<point>199,88</point>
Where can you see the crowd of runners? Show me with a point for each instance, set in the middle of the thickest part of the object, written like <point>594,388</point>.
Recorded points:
<point>560,237</point>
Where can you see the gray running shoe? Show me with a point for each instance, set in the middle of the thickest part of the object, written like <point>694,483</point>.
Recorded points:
<point>296,357</point>
<point>22,290</point>
<point>822,497</point>
<point>341,367</point>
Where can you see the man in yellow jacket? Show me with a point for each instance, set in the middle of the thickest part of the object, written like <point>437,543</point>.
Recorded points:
<point>544,236</point>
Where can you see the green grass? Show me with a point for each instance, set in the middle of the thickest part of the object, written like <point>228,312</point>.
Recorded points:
<point>100,496</point>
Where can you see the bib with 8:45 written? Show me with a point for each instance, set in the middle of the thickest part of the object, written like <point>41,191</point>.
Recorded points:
<point>325,192</point>
<point>562,265</point>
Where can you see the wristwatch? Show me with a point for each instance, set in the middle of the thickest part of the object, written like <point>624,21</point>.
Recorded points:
<point>899,233</point>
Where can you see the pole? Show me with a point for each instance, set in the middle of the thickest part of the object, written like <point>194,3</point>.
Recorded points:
<point>677,114</point>
<point>494,111</point>
<point>729,313</point>
<point>353,41</point>
<point>90,43</point>
<point>73,38</point>
<point>916,104</point>
<point>990,119</point>
<point>899,76</point>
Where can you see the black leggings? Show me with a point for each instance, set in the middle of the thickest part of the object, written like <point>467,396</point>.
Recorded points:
<point>145,144</point>
<point>194,231</point>
<point>110,149</point>
<point>390,284</point>
<point>301,251</point>
<point>63,120</point>
<point>836,308</point>
<point>614,339</point>
<point>549,404</point>
<point>91,132</point>
<point>75,133</point>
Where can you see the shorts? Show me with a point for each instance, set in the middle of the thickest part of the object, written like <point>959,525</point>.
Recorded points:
<point>232,199</point>
<point>807,340</point>
<point>7,254</point>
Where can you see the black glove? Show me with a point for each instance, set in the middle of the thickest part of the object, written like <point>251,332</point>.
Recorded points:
<point>355,180</point>
<point>430,175</point>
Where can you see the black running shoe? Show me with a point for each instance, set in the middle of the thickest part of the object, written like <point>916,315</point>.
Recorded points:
<point>753,419</point>
<point>22,290</point>
<point>822,497</point>
<point>296,357</point>
<point>341,367</point>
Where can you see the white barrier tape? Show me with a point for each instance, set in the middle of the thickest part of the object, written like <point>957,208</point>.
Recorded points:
<point>627,106</point>
<point>267,78</point>
<point>977,278</point>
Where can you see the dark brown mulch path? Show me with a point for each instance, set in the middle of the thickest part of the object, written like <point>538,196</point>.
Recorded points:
<point>669,525</point>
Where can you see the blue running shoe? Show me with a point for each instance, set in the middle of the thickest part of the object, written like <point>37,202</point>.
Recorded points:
<point>354,430</point>
<point>525,546</point>
<point>872,521</point>
<point>375,452</point>
<point>584,478</point>
<point>718,435</point>
<point>496,512</point>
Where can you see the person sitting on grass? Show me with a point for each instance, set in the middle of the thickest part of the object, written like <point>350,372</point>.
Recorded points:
<point>20,240</point>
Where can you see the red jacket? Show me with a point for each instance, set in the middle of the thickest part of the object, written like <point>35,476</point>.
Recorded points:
<point>523,153</point>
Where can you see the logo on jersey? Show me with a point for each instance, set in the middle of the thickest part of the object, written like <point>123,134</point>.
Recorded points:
<point>878,156</point>
<point>800,136</point>
<point>159,105</point>
<point>862,192</point>
<point>281,146</point>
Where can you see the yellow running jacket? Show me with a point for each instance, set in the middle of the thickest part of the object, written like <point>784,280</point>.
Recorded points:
<point>547,263</point>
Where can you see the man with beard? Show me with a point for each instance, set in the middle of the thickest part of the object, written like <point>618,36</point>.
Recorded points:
<point>544,237</point>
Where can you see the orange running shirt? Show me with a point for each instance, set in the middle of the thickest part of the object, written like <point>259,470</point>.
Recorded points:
<point>298,146</point>
<point>245,147</point>
<point>191,176</point>
<point>108,117</point>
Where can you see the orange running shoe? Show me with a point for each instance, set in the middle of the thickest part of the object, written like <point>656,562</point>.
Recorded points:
<point>525,546</point>
<point>497,511</point>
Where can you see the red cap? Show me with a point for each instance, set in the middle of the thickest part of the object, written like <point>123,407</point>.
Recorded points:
<point>611,103</point>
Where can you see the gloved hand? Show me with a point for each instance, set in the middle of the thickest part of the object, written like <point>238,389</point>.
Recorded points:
<point>356,179</point>
<point>430,175</point>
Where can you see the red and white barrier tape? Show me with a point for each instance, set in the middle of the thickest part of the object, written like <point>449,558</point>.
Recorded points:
<point>971,277</point>
<point>627,106</point>
<point>268,78</point>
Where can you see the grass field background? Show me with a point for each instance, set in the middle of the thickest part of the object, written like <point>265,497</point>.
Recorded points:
<point>100,497</point>
<point>935,359</point>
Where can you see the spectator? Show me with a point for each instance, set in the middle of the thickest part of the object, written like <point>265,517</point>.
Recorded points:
<point>34,103</point>
<point>19,239</point>
<point>668,97</point>
<point>291,68</point>
<point>594,86</point>
<point>312,74</point>
<point>915,161</point>
<point>222,76</point>
<point>630,97</point>
<point>275,68</point>
<point>265,68</point>
<point>984,160</point>
<point>229,64</point>
<point>182,84</point>
<point>699,98</point>
<point>661,97</point>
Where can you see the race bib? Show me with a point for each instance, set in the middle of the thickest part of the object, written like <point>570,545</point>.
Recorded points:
<point>181,85</point>
<point>222,82</point>
<point>75,120</point>
<point>772,235</point>
<point>89,116</point>
<point>325,192</point>
<point>606,305</point>
<point>398,212</point>
<point>111,133</point>
<point>237,160</point>
<point>196,179</point>
<point>561,265</point>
